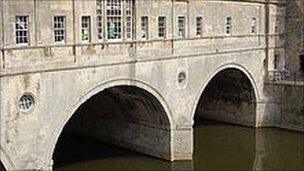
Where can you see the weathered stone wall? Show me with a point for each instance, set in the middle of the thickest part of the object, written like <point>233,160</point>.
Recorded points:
<point>289,100</point>
<point>294,34</point>
<point>142,138</point>
<point>223,111</point>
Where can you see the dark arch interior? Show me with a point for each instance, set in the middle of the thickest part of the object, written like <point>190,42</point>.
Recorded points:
<point>228,97</point>
<point>125,116</point>
<point>2,168</point>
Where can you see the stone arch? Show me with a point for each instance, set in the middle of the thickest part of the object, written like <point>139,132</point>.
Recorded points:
<point>81,99</point>
<point>217,71</point>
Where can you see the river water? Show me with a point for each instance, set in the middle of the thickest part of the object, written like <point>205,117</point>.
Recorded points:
<point>218,146</point>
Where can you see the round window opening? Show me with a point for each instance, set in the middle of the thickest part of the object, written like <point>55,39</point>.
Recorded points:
<point>26,103</point>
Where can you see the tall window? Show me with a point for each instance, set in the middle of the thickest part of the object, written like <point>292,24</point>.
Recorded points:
<point>21,29</point>
<point>85,28</point>
<point>162,27</point>
<point>181,27</point>
<point>276,61</point>
<point>253,25</point>
<point>228,25</point>
<point>199,26</point>
<point>114,19</point>
<point>59,29</point>
<point>129,21</point>
<point>99,19</point>
<point>145,28</point>
<point>276,25</point>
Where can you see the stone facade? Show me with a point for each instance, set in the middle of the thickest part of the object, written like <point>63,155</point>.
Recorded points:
<point>174,70</point>
<point>294,34</point>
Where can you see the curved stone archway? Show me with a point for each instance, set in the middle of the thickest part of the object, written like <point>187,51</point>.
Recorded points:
<point>130,113</point>
<point>230,96</point>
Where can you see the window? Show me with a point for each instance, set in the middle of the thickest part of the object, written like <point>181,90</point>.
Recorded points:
<point>21,29</point>
<point>86,29</point>
<point>99,28</point>
<point>26,103</point>
<point>99,12</point>
<point>114,19</point>
<point>59,29</point>
<point>253,25</point>
<point>181,27</point>
<point>276,26</point>
<point>144,28</point>
<point>129,21</point>
<point>276,61</point>
<point>162,27</point>
<point>129,28</point>
<point>228,25</point>
<point>199,26</point>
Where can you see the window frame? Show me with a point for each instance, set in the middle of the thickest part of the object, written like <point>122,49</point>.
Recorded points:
<point>63,29</point>
<point>164,28</point>
<point>118,19</point>
<point>146,30</point>
<point>254,25</point>
<point>27,30</point>
<point>184,27</point>
<point>228,26</point>
<point>128,19</point>
<point>89,28</point>
<point>201,27</point>
<point>100,14</point>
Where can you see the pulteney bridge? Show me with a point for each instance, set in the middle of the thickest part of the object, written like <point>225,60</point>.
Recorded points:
<point>139,94</point>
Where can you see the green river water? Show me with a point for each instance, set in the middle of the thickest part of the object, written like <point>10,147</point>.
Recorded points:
<point>218,146</point>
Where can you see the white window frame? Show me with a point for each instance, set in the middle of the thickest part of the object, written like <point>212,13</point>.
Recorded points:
<point>228,26</point>
<point>27,30</point>
<point>144,28</point>
<point>164,27</point>
<point>89,29</point>
<point>116,16</point>
<point>99,20</point>
<point>201,26</point>
<point>181,27</point>
<point>59,29</point>
<point>128,18</point>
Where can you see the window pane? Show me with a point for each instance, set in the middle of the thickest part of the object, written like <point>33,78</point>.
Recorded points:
<point>181,27</point>
<point>21,29</point>
<point>59,29</point>
<point>162,27</point>
<point>86,28</point>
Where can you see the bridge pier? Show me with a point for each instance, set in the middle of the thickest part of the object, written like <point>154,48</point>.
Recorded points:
<point>182,144</point>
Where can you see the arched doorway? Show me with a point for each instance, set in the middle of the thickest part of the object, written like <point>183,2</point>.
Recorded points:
<point>126,116</point>
<point>228,97</point>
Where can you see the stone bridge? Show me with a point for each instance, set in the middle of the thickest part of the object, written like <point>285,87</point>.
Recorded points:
<point>147,105</point>
<point>141,95</point>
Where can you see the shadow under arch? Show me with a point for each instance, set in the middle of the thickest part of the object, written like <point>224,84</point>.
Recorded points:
<point>126,113</point>
<point>1,166</point>
<point>229,96</point>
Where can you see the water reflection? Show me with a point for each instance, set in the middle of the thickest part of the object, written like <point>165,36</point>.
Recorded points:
<point>217,147</point>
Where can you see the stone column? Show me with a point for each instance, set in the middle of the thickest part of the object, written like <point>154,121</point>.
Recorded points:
<point>182,143</point>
